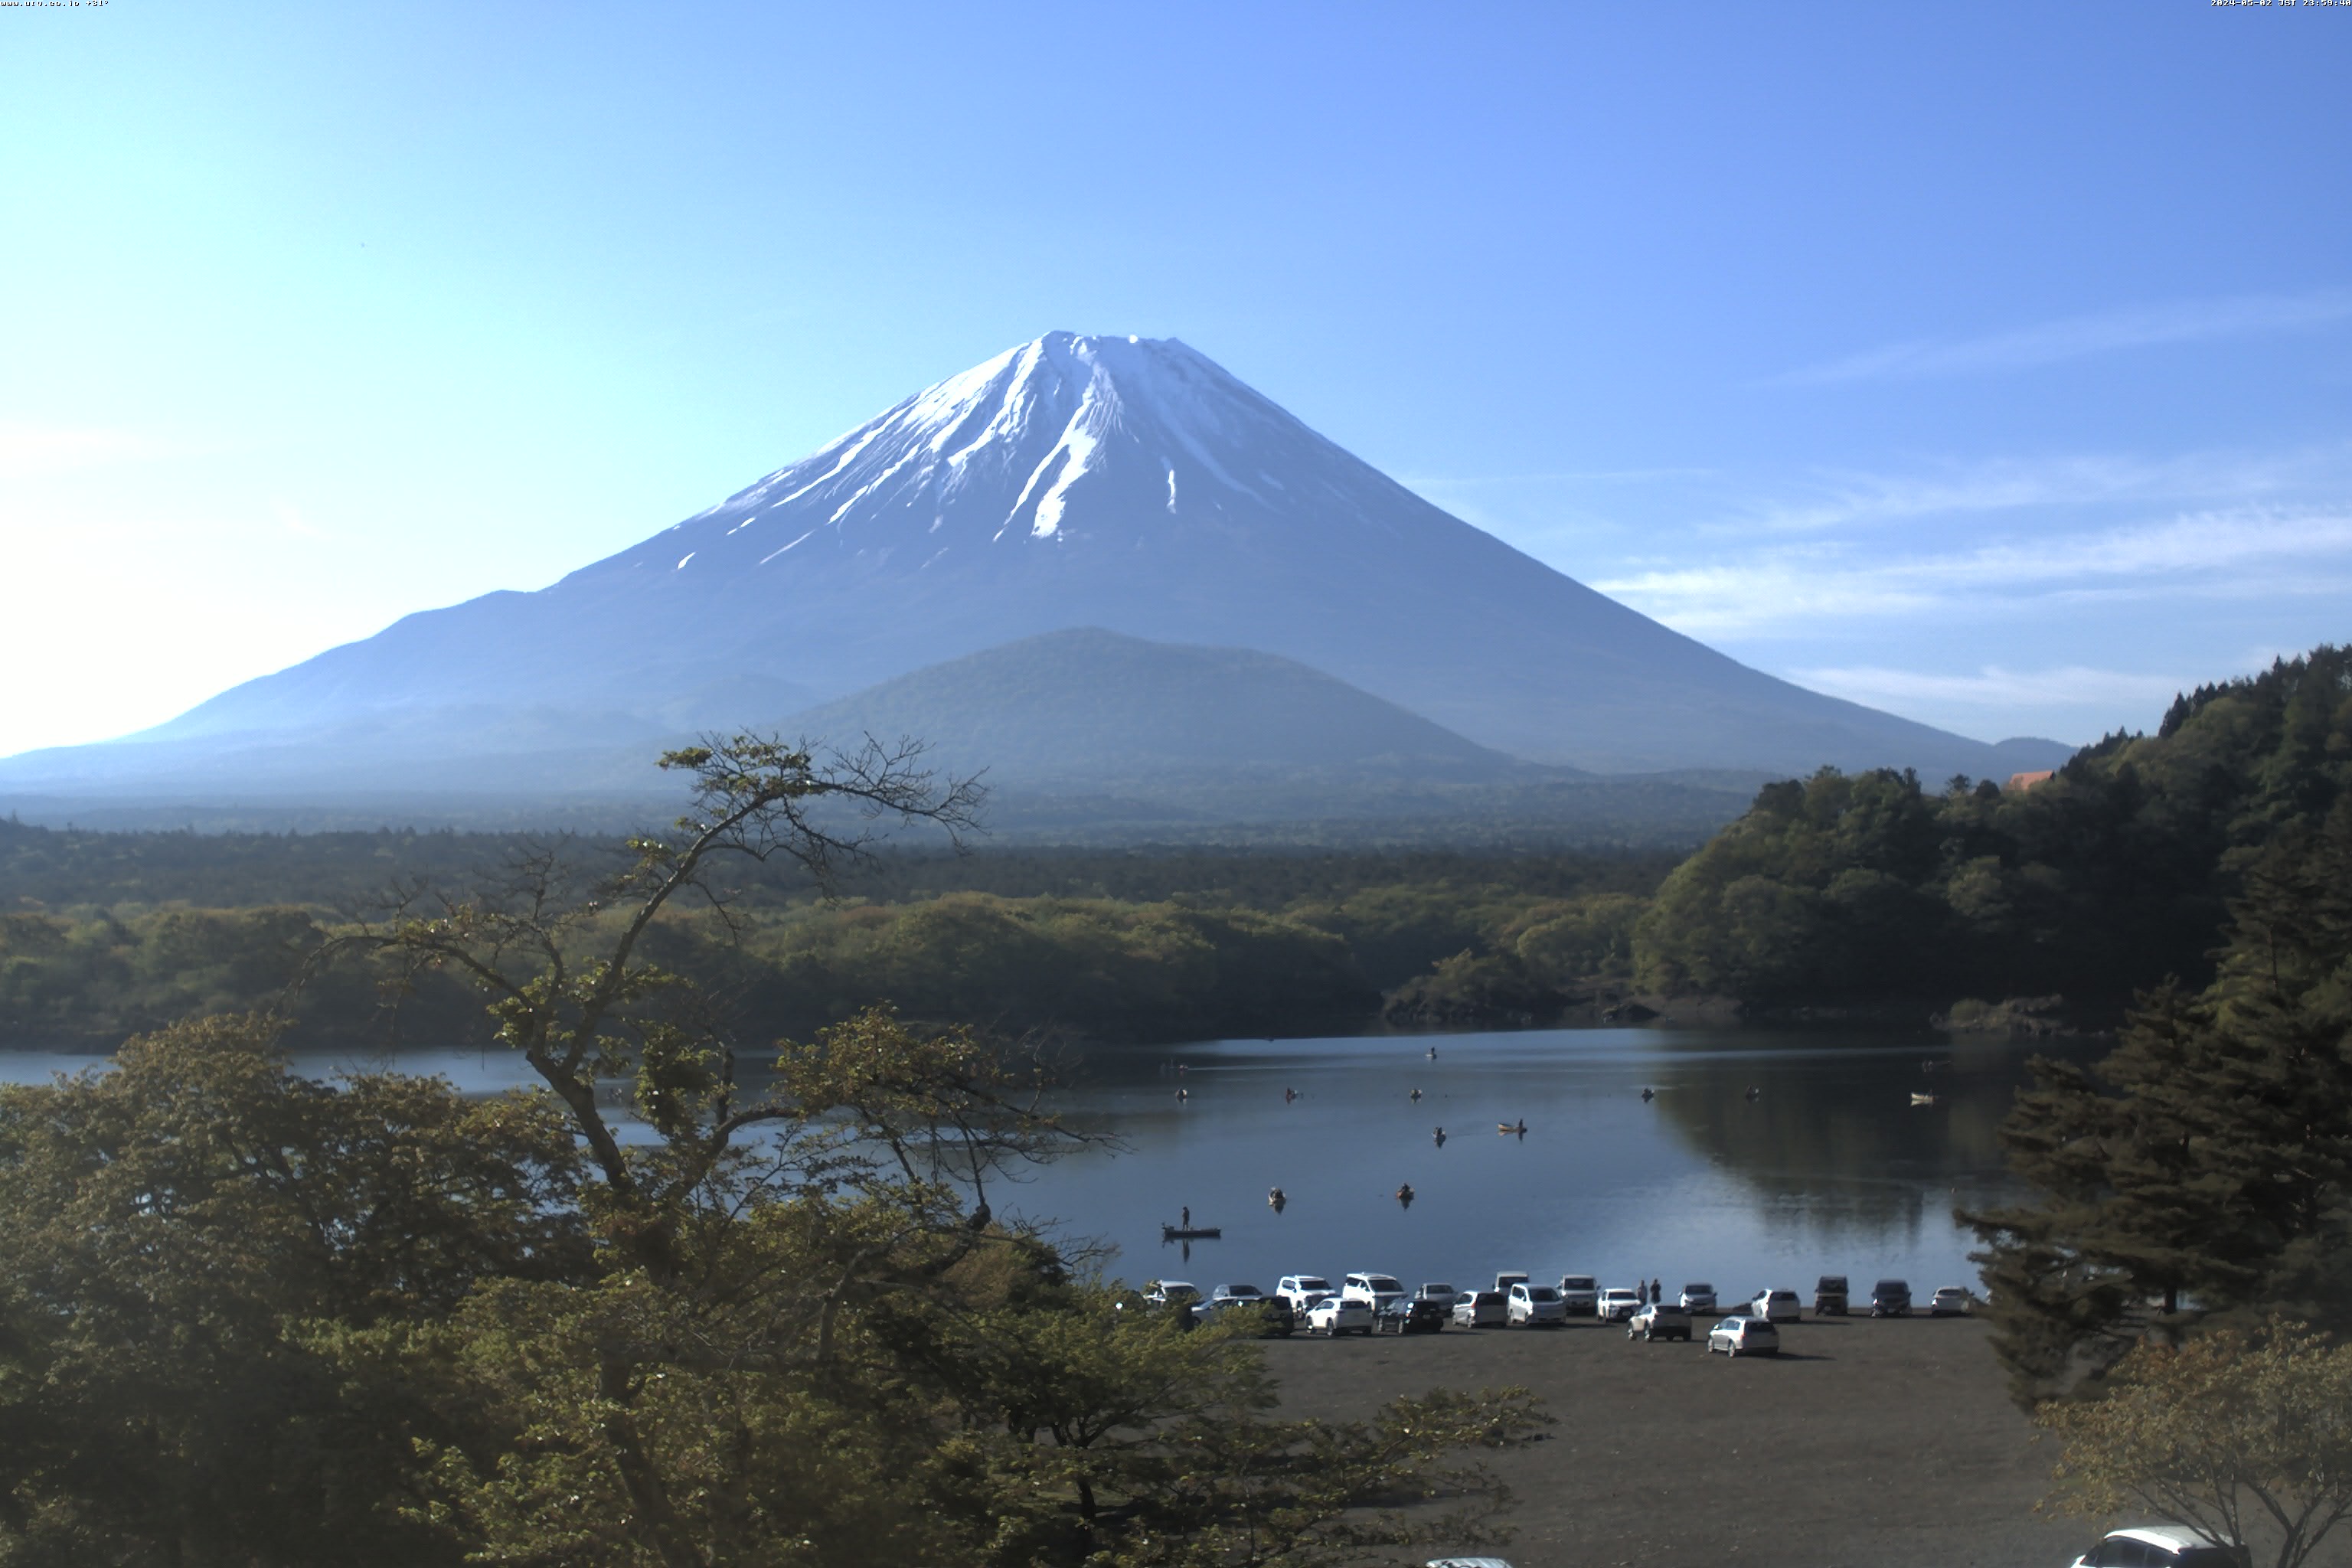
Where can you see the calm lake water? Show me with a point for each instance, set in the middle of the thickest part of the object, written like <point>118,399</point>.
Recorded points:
<point>1829,1169</point>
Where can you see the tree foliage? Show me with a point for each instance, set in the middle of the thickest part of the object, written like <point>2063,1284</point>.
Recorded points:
<point>2203,1169</point>
<point>2233,1434</point>
<point>768,1316</point>
<point>2096,883</point>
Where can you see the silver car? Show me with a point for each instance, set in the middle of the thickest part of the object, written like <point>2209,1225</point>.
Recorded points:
<point>1737,1337</point>
<point>1480,1309</point>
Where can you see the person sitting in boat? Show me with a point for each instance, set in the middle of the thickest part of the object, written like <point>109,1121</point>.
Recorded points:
<point>1648,1093</point>
<point>1275,1199</point>
<point>1416,1097</point>
<point>1438,1137</point>
<point>1404,1194</point>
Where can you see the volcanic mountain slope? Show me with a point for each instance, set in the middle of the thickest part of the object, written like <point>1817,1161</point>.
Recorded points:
<point>1073,481</point>
<point>1088,706</point>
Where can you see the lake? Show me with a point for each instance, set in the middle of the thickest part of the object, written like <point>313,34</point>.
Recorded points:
<point>1829,1168</point>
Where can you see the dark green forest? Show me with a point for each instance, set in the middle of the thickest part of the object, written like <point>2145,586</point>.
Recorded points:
<point>2106,878</point>
<point>107,934</point>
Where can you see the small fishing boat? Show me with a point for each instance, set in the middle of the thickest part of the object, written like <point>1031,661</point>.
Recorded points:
<point>1918,1098</point>
<point>1191,1232</point>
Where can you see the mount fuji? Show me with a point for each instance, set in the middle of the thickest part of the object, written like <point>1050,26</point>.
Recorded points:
<point>1123,484</point>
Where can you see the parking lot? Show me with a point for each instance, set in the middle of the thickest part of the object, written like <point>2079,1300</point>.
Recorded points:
<point>1866,1443</point>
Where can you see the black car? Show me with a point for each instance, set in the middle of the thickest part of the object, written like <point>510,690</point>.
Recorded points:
<point>1890,1299</point>
<point>1409,1317</point>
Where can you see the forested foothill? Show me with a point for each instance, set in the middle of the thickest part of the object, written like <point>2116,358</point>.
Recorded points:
<point>1875,891</point>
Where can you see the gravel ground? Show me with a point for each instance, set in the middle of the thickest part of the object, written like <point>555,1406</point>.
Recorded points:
<point>1863,1444</point>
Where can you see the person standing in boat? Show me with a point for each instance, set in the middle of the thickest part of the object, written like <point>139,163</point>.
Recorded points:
<point>1188,1218</point>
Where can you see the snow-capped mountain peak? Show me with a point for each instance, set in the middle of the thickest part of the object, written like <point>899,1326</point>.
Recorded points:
<point>1149,432</point>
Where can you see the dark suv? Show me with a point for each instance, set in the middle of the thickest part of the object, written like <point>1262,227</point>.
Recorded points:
<point>1413,1317</point>
<point>1829,1296</point>
<point>1890,1299</point>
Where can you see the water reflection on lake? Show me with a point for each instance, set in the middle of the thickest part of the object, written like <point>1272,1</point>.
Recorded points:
<point>1828,1168</point>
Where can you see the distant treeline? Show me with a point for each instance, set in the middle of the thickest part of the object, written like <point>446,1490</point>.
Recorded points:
<point>2105,879</point>
<point>108,937</point>
<point>1870,891</point>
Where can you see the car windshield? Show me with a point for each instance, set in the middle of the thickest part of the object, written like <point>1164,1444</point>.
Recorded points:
<point>1892,1288</point>
<point>1437,1290</point>
<point>1700,1288</point>
<point>1381,1282</point>
<point>1542,1293</point>
<point>1490,1298</point>
<point>1242,1290</point>
<point>1576,1282</point>
<point>1308,1282</point>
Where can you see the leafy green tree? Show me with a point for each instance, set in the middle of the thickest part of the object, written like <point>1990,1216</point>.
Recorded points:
<point>2229,1435</point>
<point>2205,1166</point>
<point>169,1233</point>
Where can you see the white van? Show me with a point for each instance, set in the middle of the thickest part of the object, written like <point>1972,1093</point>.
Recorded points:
<point>1533,1307</point>
<point>1374,1290</point>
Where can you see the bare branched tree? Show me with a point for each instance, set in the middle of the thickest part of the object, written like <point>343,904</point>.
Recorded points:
<point>559,951</point>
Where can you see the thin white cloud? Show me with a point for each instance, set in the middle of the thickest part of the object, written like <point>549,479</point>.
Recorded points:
<point>1995,687</point>
<point>2229,552</point>
<point>2077,337</point>
<point>2079,480</point>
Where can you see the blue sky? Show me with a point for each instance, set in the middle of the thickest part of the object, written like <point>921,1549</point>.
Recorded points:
<point>1992,364</point>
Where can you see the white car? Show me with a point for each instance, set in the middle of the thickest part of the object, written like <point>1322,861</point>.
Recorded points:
<point>1698,1296</point>
<point>1778,1306</point>
<point>1659,1321</point>
<point>1336,1315</point>
<point>1481,1309</point>
<point>1442,1294</point>
<point>1374,1290</point>
<point>1616,1306</point>
<point>1579,1296</point>
<point>1533,1307</point>
<point>1168,1292</point>
<point>1951,1301</point>
<point>1737,1337</point>
<point>1302,1291</point>
<point>2158,1546</point>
